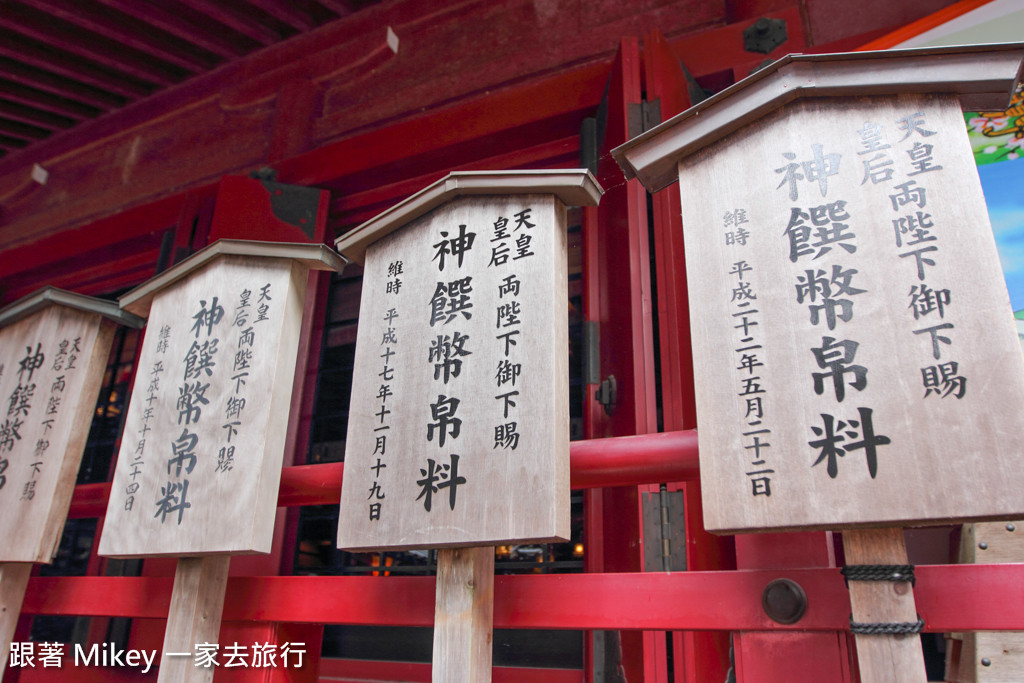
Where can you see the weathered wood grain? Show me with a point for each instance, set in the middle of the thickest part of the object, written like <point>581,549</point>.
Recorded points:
<point>883,658</point>
<point>441,356</point>
<point>989,656</point>
<point>13,582</point>
<point>51,367</point>
<point>197,602</point>
<point>463,615</point>
<point>844,377</point>
<point>236,365</point>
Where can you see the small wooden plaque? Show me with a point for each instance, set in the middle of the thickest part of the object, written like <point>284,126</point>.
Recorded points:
<point>200,459</point>
<point>458,432</point>
<point>52,359</point>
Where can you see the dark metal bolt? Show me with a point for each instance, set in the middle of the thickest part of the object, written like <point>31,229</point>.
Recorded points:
<point>983,545</point>
<point>1011,527</point>
<point>784,601</point>
<point>985,661</point>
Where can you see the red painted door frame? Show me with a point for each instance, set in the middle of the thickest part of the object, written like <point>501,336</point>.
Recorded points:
<point>617,288</point>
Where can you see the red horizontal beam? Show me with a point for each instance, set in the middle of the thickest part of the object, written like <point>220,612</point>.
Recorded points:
<point>330,671</point>
<point>356,207</point>
<point>949,598</point>
<point>104,232</point>
<point>619,461</point>
<point>710,51</point>
<point>566,93</point>
<point>357,671</point>
<point>628,460</point>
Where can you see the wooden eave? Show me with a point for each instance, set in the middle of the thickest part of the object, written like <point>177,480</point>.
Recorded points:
<point>314,256</point>
<point>983,76</point>
<point>52,296</point>
<point>575,187</point>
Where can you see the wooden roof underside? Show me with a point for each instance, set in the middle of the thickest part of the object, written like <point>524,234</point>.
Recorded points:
<point>64,62</point>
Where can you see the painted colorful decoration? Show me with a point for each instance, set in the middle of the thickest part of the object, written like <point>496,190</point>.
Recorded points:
<point>998,135</point>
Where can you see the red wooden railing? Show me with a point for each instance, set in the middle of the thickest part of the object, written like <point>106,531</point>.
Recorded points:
<point>949,597</point>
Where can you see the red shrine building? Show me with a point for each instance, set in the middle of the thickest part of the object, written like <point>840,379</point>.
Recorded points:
<point>134,134</point>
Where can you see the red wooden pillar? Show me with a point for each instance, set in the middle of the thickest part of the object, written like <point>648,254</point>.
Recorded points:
<point>697,655</point>
<point>618,299</point>
<point>771,657</point>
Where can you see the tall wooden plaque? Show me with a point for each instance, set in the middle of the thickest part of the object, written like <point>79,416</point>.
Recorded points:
<point>200,461</point>
<point>458,434</point>
<point>458,437</point>
<point>854,348</point>
<point>856,358</point>
<point>53,352</point>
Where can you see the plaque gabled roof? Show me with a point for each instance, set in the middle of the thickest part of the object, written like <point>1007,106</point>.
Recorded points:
<point>49,296</point>
<point>314,256</point>
<point>575,187</point>
<point>982,75</point>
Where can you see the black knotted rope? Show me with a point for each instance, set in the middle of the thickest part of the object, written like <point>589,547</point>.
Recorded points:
<point>879,572</point>
<point>899,628</point>
<point>882,572</point>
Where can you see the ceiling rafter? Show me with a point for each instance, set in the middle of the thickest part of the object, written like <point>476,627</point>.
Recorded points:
<point>57,32</point>
<point>183,24</point>
<point>65,62</point>
<point>35,117</point>
<point>287,12</point>
<point>342,8</point>
<point>52,59</point>
<point>59,85</point>
<point>11,143</point>
<point>237,20</point>
<point>21,130</point>
<point>28,96</point>
<point>117,26</point>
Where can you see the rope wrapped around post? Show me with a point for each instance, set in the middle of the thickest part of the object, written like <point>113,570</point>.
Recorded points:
<point>879,572</point>
<point>882,572</point>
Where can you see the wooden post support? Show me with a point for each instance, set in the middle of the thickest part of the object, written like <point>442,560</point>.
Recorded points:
<point>883,658</point>
<point>464,615</point>
<point>13,582</point>
<point>197,603</point>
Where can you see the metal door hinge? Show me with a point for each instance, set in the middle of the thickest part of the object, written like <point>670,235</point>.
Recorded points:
<point>607,394</point>
<point>591,352</point>
<point>664,531</point>
<point>643,116</point>
<point>607,389</point>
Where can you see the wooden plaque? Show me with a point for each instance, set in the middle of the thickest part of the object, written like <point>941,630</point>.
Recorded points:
<point>458,431</point>
<point>53,352</point>
<point>854,347</point>
<point>200,459</point>
<point>855,350</point>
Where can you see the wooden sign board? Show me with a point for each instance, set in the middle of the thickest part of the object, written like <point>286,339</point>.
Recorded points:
<point>458,431</point>
<point>53,352</point>
<point>200,459</point>
<point>855,354</point>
